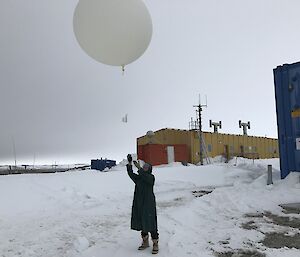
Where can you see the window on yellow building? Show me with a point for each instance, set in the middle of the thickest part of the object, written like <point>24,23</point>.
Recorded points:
<point>209,147</point>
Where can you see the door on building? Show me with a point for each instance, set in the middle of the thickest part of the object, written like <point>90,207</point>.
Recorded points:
<point>242,151</point>
<point>226,153</point>
<point>171,154</point>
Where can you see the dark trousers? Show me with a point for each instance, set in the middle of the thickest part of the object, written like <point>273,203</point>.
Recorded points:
<point>154,234</point>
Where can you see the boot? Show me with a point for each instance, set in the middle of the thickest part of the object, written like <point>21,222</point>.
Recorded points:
<point>145,243</point>
<point>155,246</point>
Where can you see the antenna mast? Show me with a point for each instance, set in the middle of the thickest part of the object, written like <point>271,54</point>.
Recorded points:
<point>199,114</point>
<point>245,126</point>
<point>14,151</point>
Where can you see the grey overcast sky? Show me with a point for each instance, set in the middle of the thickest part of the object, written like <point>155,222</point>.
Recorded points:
<point>59,104</point>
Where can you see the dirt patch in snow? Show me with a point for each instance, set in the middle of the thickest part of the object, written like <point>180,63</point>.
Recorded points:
<point>254,215</point>
<point>240,253</point>
<point>275,239</point>
<point>284,221</point>
<point>291,208</point>
<point>249,225</point>
<point>200,193</point>
<point>280,240</point>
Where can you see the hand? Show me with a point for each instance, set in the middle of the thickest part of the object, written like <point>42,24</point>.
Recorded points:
<point>129,158</point>
<point>136,164</point>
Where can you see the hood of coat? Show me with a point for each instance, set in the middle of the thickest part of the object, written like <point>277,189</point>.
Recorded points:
<point>147,167</point>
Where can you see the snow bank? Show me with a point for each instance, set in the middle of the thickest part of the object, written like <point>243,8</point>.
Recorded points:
<point>87,213</point>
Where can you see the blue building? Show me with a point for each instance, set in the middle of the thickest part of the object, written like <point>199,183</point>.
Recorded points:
<point>102,164</point>
<point>287,92</point>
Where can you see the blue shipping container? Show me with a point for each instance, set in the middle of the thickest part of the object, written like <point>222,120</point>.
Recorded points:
<point>102,164</point>
<point>287,93</point>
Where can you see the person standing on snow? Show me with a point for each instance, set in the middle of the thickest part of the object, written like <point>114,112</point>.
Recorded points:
<point>143,216</point>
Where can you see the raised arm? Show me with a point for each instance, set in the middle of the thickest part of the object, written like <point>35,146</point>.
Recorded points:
<point>130,173</point>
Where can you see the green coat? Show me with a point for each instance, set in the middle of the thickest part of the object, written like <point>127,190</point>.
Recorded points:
<point>143,216</point>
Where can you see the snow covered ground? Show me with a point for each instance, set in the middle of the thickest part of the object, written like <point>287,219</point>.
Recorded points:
<point>87,213</point>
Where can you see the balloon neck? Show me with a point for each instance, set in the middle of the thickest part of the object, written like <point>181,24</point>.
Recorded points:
<point>123,70</point>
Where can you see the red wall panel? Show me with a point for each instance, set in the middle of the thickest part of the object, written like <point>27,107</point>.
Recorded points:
<point>156,154</point>
<point>181,153</point>
<point>140,152</point>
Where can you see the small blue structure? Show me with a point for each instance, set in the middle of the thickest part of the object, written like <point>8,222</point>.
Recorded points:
<point>287,92</point>
<point>102,164</point>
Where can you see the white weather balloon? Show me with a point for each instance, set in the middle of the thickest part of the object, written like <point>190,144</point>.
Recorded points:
<point>113,32</point>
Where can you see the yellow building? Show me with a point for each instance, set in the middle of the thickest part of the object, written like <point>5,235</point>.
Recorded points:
<point>215,144</point>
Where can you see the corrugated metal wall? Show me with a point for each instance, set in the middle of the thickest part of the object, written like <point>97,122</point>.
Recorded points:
<point>216,144</point>
<point>156,154</point>
<point>287,92</point>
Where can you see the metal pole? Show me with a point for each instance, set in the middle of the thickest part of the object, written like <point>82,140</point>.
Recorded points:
<point>270,179</point>
<point>199,110</point>
<point>245,129</point>
<point>200,134</point>
<point>33,160</point>
<point>215,128</point>
<point>14,150</point>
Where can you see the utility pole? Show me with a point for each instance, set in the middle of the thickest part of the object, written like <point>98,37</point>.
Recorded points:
<point>199,114</point>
